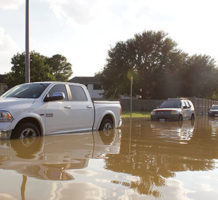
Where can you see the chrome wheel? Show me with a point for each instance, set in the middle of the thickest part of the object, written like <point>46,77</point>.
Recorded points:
<point>25,130</point>
<point>107,126</point>
<point>28,132</point>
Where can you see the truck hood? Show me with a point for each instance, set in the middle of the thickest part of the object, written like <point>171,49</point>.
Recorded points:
<point>10,102</point>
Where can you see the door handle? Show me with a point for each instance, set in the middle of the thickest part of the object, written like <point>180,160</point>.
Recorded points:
<point>89,107</point>
<point>67,107</point>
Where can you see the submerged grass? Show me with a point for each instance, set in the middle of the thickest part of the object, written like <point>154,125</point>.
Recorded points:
<point>136,115</point>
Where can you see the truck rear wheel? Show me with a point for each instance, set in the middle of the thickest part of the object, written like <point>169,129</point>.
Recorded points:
<point>106,124</point>
<point>24,130</point>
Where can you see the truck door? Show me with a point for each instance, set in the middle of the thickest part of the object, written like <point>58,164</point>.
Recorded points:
<point>57,113</point>
<point>82,110</point>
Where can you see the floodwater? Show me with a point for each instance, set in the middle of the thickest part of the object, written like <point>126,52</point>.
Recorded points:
<point>142,160</point>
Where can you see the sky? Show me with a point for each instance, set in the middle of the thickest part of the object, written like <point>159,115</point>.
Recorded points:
<point>84,30</point>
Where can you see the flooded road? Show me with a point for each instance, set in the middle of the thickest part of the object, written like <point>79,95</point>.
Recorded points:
<point>142,160</point>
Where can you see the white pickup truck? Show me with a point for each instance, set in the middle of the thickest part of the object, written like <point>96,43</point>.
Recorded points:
<point>43,108</point>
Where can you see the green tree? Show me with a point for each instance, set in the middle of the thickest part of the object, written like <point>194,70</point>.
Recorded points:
<point>151,54</point>
<point>162,70</point>
<point>200,77</point>
<point>61,69</point>
<point>42,68</point>
<point>171,84</point>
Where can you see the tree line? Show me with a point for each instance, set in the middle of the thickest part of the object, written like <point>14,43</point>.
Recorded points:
<point>159,69</point>
<point>43,68</point>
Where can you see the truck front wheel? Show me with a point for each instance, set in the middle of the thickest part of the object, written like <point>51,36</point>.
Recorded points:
<point>24,130</point>
<point>106,124</point>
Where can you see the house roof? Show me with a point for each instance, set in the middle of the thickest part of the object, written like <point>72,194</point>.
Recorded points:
<point>84,79</point>
<point>2,78</point>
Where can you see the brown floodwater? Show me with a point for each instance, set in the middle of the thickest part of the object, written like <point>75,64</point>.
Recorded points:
<point>142,160</point>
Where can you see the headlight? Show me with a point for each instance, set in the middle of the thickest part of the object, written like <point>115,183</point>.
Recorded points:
<point>5,116</point>
<point>174,112</point>
<point>153,113</point>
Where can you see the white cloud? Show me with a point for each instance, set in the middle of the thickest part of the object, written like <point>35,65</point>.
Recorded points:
<point>6,42</point>
<point>97,25</point>
<point>79,191</point>
<point>7,48</point>
<point>6,196</point>
<point>72,11</point>
<point>10,4</point>
<point>206,187</point>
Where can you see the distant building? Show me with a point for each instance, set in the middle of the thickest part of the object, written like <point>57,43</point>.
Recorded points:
<point>93,85</point>
<point>3,86</point>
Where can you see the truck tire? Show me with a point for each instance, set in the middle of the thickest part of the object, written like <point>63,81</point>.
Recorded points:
<point>106,124</point>
<point>24,130</point>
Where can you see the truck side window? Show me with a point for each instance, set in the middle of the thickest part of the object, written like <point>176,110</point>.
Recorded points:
<point>77,93</point>
<point>59,88</point>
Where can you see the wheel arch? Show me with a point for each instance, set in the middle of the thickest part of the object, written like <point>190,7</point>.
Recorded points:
<point>33,120</point>
<point>108,115</point>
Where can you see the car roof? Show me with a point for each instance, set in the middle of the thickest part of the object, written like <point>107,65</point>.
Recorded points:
<point>179,98</point>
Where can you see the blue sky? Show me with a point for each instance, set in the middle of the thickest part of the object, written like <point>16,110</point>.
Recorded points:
<point>84,30</point>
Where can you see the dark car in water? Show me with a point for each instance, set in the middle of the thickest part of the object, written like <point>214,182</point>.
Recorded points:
<point>213,111</point>
<point>174,109</point>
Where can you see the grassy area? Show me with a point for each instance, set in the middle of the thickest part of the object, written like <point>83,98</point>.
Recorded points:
<point>136,114</point>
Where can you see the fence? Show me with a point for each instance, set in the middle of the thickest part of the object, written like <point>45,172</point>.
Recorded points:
<point>201,105</point>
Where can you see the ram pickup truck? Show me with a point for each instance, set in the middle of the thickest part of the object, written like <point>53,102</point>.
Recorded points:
<point>44,108</point>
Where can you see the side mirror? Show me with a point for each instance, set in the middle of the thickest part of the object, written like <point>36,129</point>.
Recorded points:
<point>57,96</point>
<point>185,107</point>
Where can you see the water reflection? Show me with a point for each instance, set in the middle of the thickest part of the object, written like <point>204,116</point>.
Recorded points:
<point>50,157</point>
<point>213,122</point>
<point>180,131</point>
<point>139,160</point>
<point>157,150</point>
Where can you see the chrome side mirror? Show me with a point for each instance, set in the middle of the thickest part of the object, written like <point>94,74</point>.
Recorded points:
<point>57,96</point>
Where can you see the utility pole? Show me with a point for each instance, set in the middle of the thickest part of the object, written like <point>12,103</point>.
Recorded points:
<point>27,57</point>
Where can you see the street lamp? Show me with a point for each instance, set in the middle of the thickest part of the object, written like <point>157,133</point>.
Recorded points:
<point>131,73</point>
<point>27,55</point>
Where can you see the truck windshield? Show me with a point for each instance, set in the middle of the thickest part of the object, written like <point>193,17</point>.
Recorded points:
<point>170,104</point>
<point>32,90</point>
